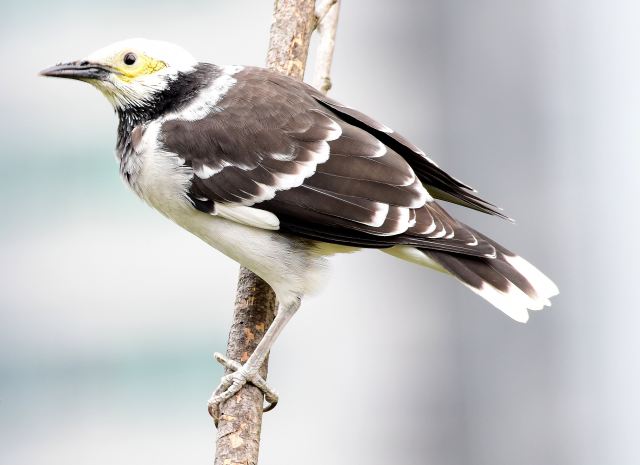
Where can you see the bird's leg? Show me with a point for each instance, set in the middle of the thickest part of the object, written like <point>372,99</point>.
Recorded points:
<point>233,382</point>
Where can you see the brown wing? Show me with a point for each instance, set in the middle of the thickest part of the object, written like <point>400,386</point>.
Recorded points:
<point>270,145</point>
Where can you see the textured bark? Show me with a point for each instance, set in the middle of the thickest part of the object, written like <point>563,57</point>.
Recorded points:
<point>240,419</point>
<point>293,23</point>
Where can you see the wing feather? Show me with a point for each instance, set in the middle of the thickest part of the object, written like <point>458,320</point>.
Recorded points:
<point>444,186</point>
<point>272,156</point>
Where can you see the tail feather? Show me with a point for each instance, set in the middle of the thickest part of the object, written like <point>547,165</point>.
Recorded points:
<point>540,282</point>
<point>507,281</point>
<point>503,287</point>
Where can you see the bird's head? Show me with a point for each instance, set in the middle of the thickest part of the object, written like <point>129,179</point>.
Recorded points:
<point>130,73</point>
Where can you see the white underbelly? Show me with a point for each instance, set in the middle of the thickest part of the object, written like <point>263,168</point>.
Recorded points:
<point>288,265</point>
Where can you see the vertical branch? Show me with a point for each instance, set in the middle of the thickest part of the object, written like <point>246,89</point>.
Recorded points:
<point>240,418</point>
<point>293,23</point>
<point>327,12</point>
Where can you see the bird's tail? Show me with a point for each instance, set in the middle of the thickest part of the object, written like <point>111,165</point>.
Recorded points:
<point>508,281</point>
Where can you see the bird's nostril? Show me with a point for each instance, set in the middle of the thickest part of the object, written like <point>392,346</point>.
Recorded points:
<point>84,63</point>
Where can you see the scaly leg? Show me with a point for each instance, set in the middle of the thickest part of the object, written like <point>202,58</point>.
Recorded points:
<point>232,383</point>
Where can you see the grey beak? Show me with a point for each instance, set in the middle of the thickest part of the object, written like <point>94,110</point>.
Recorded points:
<point>78,70</point>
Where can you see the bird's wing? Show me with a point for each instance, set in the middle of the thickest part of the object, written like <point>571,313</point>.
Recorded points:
<point>269,155</point>
<point>441,185</point>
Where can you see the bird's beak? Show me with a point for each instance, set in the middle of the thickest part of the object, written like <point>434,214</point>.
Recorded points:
<point>82,70</point>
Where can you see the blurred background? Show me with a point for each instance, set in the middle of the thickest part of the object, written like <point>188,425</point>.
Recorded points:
<point>109,313</point>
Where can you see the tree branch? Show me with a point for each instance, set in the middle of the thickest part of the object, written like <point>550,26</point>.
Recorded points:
<point>293,23</point>
<point>240,418</point>
<point>327,12</point>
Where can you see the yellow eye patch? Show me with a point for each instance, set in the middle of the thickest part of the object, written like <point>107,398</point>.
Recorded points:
<point>141,65</point>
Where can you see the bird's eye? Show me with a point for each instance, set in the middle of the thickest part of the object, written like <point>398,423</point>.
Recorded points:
<point>130,58</point>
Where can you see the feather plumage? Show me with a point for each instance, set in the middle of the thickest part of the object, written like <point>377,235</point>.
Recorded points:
<point>275,154</point>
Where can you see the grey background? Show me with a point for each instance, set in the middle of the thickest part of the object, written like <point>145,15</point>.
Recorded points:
<point>109,314</point>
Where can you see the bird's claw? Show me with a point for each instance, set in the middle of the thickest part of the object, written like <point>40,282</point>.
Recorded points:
<point>232,383</point>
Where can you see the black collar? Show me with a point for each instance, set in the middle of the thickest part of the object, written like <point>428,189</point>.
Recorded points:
<point>180,91</point>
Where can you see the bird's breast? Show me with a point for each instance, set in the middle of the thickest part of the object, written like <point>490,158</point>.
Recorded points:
<point>159,177</point>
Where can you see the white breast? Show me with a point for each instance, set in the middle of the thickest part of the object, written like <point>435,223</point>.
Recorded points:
<point>159,177</point>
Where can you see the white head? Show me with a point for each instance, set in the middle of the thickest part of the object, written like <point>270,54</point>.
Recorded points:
<point>130,72</point>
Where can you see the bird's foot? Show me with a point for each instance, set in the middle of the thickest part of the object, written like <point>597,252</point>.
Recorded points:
<point>232,383</point>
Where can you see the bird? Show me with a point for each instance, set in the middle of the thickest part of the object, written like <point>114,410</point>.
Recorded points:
<point>279,177</point>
